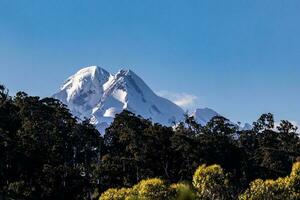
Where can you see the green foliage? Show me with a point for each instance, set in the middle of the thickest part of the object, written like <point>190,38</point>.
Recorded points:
<point>211,182</point>
<point>220,126</point>
<point>294,181</point>
<point>116,194</point>
<point>145,190</point>
<point>182,191</point>
<point>137,149</point>
<point>282,188</point>
<point>46,153</point>
<point>151,189</point>
<point>265,122</point>
<point>286,127</point>
<point>266,190</point>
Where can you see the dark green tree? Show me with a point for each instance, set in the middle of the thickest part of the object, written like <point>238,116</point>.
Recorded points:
<point>47,154</point>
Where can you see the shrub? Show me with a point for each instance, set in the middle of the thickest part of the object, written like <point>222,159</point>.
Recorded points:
<point>211,182</point>
<point>282,188</point>
<point>151,189</point>
<point>181,191</point>
<point>266,190</point>
<point>294,181</point>
<point>116,194</point>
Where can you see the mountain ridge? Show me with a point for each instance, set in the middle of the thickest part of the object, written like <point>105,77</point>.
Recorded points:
<point>94,93</point>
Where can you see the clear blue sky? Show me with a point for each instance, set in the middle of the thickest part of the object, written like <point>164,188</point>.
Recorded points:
<point>240,57</point>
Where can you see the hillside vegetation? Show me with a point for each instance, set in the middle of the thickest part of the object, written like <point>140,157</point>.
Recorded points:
<point>210,183</point>
<point>46,153</point>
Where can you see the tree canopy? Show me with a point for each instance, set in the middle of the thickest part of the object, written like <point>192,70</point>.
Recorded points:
<point>46,153</point>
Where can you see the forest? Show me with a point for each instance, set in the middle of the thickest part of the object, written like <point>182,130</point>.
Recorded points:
<point>46,153</point>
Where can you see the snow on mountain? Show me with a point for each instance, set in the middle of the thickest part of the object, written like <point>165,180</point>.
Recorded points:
<point>246,127</point>
<point>204,115</point>
<point>82,91</point>
<point>96,94</point>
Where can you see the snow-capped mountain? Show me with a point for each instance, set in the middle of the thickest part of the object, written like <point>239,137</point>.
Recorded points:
<point>97,94</point>
<point>204,115</point>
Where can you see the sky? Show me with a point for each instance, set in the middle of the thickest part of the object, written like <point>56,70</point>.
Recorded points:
<point>239,57</point>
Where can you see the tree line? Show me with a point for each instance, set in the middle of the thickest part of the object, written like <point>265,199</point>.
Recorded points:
<point>46,153</point>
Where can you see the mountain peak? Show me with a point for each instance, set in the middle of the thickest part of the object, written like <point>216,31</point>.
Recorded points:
<point>204,109</point>
<point>94,93</point>
<point>204,115</point>
<point>125,72</point>
<point>89,69</point>
<point>94,71</point>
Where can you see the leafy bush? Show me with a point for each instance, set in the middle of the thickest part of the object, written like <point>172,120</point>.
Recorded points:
<point>182,191</point>
<point>116,194</point>
<point>146,190</point>
<point>211,182</point>
<point>282,188</point>
<point>294,182</point>
<point>266,190</point>
<point>151,189</point>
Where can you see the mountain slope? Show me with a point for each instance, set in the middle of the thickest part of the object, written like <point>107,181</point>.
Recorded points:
<point>82,91</point>
<point>204,115</point>
<point>96,94</point>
